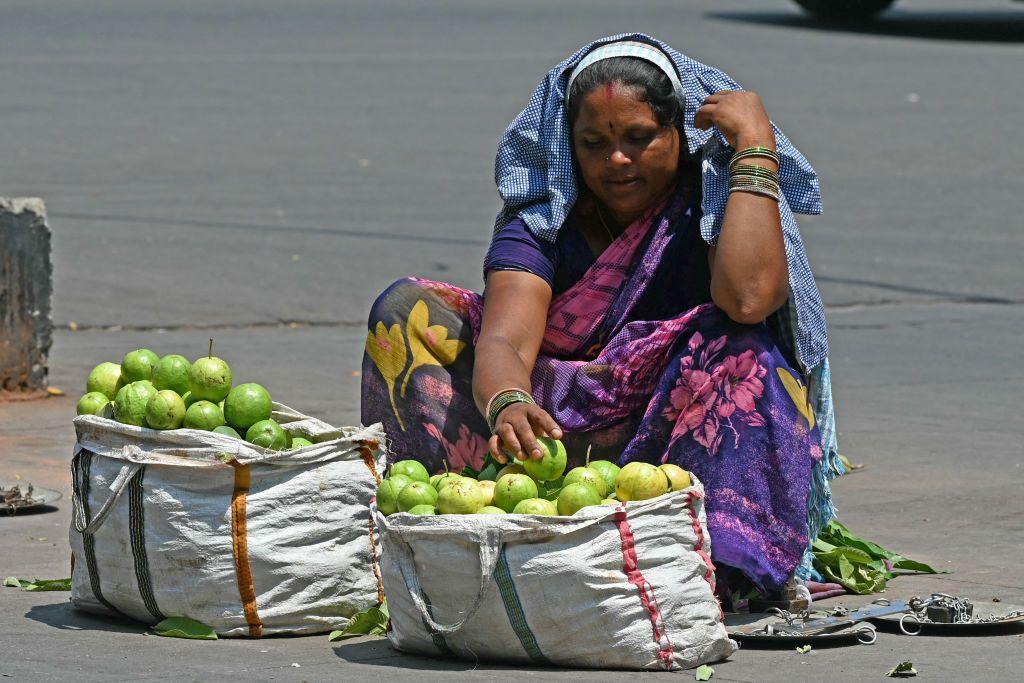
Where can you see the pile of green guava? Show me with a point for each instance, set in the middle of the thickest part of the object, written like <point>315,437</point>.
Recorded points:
<point>530,487</point>
<point>169,392</point>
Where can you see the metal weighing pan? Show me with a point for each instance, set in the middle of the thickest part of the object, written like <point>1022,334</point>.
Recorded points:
<point>751,628</point>
<point>995,615</point>
<point>38,497</point>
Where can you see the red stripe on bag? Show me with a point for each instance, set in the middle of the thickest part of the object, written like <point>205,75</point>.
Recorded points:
<point>709,574</point>
<point>631,567</point>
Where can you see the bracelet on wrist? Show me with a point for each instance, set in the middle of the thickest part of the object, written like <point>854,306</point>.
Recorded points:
<point>503,399</point>
<point>750,152</point>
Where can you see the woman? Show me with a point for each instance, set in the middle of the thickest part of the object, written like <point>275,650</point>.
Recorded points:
<point>639,300</point>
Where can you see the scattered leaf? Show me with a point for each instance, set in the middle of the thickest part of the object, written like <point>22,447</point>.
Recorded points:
<point>902,670</point>
<point>849,466</point>
<point>38,584</point>
<point>54,391</point>
<point>49,585</point>
<point>369,622</point>
<point>703,673</point>
<point>804,649</point>
<point>183,627</point>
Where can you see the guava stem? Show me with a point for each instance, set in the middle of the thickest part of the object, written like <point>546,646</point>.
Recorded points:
<point>589,446</point>
<point>209,351</point>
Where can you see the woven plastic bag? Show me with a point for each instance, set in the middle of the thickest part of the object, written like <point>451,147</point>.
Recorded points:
<point>250,541</point>
<point>624,587</point>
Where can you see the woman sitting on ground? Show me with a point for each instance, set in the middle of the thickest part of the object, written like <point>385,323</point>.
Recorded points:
<point>639,302</point>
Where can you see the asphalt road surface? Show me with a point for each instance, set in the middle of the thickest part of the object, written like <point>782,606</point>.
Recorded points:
<point>261,170</point>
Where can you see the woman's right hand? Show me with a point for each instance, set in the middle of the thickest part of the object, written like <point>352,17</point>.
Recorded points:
<point>516,431</point>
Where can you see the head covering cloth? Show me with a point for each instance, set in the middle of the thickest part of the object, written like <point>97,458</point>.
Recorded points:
<point>536,176</point>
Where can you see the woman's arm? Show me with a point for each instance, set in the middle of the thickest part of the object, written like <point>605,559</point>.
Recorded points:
<point>515,315</point>
<point>749,272</point>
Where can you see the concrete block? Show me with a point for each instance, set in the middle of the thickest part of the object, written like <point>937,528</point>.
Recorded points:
<point>26,289</point>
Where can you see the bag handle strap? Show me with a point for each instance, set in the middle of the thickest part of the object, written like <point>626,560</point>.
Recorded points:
<point>90,526</point>
<point>490,548</point>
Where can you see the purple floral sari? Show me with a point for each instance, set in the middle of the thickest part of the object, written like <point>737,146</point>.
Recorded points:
<point>696,389</point>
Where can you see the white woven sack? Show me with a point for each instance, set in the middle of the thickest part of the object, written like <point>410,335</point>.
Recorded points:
<point>629,587</point>
<point>250,541</point>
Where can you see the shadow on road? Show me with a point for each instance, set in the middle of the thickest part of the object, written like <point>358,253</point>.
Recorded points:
<point>378,652</point>
<point>65,617</point>
<point>984,27</point>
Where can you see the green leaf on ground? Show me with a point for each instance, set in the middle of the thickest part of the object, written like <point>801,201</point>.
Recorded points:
<point>902,670</point>
<point>183,627</point>
<point>849,466</point>
<point>369,622</point>
<point>38,584</point>
<point>804,649</point>
<point>703,673</point>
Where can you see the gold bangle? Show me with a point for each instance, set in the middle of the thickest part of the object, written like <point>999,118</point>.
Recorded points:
<point>763,152</point>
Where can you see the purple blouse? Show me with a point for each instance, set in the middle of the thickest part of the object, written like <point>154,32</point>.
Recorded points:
<point>562,264</point>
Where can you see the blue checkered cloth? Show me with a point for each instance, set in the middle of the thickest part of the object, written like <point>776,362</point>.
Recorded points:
<point>537,180</point>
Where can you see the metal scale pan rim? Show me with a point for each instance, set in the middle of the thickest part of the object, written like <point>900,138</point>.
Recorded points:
<point>41,497</point>
<point>991,609</point>
<point>738,619</point>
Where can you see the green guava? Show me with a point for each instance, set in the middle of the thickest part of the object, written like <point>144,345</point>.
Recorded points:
<point>512,489</point>
<point>608,471</point>
<point>138,364</point>
<point>171,372</point>
<point>487,489</point>
<point>678,478</point>
<point>300,442</point>
<point>610,501</point>
<point>577,496</point>
<point>422,510</point>
<point>461,497</point>
<point>203,415</point>
<point>189,400</point>
<point>246,405</point>
<point>400,481</point>
<point>439,481</point>
<point>490,510</point>
<point>589,476</point>
<point>225,430</point>
<point>92,403</point>
<point>130,403</point>
<point>209,379</point>
<point>267,433</point>
<point>387,497</point>
<point>640,481</point>
<point>105,378</point>
<point>416,493</point>
<point>551,464</point>
<point>535,506</point>
<point>511,468</point>
<point>165,410</point>
<point>413,469</point>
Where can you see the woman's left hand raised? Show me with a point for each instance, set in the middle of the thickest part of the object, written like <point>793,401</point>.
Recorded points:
<point>740,116</point>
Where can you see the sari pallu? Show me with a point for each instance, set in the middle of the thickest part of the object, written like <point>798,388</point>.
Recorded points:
<point>696,389</point>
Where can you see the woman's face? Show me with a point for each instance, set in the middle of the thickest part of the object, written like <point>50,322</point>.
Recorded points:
<point>628,160</point>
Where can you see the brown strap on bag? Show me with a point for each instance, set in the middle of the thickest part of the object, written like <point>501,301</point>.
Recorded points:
<point>367,450</point>
<point>240,548</point>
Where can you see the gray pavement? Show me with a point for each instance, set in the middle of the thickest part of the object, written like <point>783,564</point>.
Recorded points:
<point>242,167</point>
